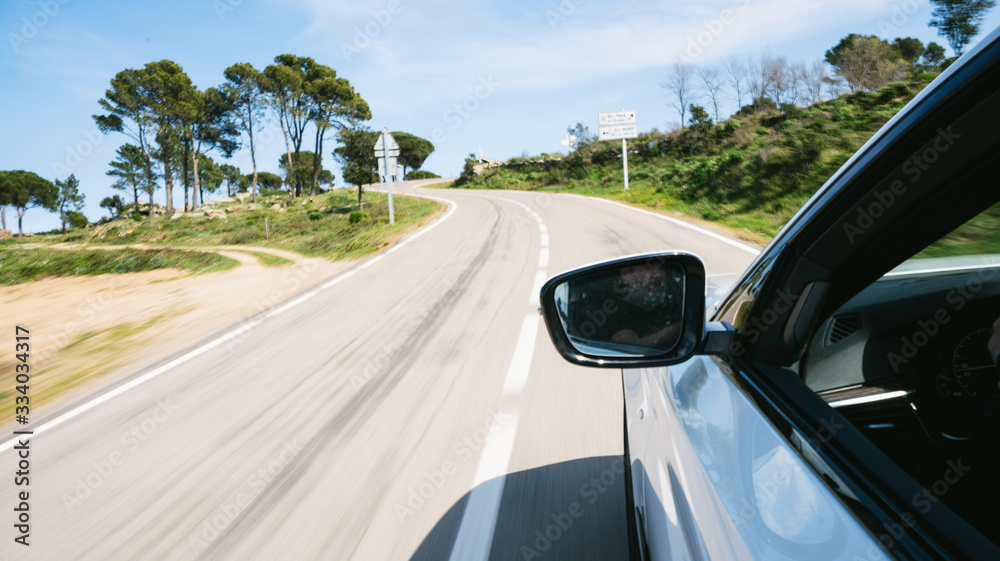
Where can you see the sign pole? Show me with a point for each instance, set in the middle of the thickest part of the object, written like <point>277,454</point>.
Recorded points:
<point>615,125</point>
<point>625,161</point>
<point>388,180</point>
<point>386,154</point>
<point>392,219</point>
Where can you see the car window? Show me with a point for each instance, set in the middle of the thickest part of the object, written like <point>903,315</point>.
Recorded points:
<point>910,363</point>
<point>975,243</point>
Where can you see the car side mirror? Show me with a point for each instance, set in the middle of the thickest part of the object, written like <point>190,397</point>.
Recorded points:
<point>644,310</point>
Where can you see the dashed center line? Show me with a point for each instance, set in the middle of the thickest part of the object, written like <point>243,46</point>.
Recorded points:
<point>475,532</point>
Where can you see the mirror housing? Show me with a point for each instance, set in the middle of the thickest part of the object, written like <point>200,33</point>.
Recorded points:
<point>638,311</point>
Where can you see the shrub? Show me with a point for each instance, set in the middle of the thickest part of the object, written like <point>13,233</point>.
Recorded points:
<point>137,216</point>
<point>357,216</point>
<point>76,219</point>
<point>845,114</point>
<point>315,215</point>
<point>421,174</point>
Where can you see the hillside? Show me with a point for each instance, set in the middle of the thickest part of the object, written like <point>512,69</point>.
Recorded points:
<point>749,173</point>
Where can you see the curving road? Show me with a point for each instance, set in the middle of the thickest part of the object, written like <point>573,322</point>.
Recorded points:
<point>410,408</point>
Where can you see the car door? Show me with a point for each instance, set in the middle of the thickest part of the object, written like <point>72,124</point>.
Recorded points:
<point>744,461</point>
<point>722,483</point>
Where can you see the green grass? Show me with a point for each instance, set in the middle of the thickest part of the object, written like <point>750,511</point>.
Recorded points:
<point>267,259</point>
<point>749,174</point>
<point>440,185</point>
<point>979,236</point>
<point>21,265</point>
<point>328,234</point>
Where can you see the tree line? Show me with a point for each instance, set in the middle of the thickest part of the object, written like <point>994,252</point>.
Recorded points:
<point>858,62</point>
<point>172,126</point>
<point>171,122</point>
<point>24,189</point>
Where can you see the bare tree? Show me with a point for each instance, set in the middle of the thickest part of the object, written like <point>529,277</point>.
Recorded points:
<point>815,78</point>
<point>835,85</point>
<point>796,81</point>
<point>756,84</point>
<point>774,76</point>
<point>711,84</point>
<point>736,75</point>
<point>678,85</point>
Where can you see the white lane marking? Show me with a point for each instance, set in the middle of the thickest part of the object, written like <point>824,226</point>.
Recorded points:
<point>520,365</point>
<point>292,304</point>
<point>371,262</point>
<point>338,279</point>
<point>125,387</point>
<point>536,290</point>
<point>475,534</point>
<point>181,360</point>
<point>676,221</point>
<point>543,258</point>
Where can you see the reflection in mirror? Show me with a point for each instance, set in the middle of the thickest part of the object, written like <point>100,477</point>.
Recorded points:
<point>633,310</point>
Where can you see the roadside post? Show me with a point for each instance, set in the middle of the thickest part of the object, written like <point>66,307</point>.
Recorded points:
<point>618,125</point>
<point>387,154</point>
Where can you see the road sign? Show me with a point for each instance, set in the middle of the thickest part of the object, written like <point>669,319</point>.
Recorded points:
<point>392,164</point>
<point>616,132</point>
<point>618,125</point>
<point>386,154</point>
<point>616,118</point>
<point>385,139</point>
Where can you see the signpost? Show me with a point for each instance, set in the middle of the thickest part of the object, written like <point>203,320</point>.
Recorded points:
<point>615,125</point>
<point>387,153</point>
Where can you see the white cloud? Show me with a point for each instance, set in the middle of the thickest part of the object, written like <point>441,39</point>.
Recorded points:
<point>524,51</point>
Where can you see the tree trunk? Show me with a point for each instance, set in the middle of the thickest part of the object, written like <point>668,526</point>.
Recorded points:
<point>197,182</point>
<point>184,173</point>
<point>253,157</point>
<point>135,196</point>
<point>288,151</point>
<point>360,189</point>
<point>168,182</point>
<point>20,215</point>
<point>62,217</point>
<point>3,216</point>
<point>149,178</point>
<point>317,158</point>
<point>297,141</point>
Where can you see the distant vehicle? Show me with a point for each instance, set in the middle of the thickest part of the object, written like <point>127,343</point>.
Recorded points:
<point>837,401</point>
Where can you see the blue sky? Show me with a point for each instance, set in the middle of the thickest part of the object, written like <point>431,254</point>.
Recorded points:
<point>501,77</point>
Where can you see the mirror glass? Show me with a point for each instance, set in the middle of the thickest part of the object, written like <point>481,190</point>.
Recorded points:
<point>636,309</point>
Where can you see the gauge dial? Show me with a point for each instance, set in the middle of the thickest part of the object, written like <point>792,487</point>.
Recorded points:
<point>946,385</point>
<point>972,360</point>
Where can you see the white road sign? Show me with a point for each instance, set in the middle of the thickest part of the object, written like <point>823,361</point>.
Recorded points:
<point>393,167</point>
<point>386,139</point>
<point>618,125</point>
<point>616,132</point>
<point>386,152</point>
<point>616,118</point>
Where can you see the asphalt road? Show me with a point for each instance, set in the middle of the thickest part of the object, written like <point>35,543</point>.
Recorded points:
<point>411,408</point>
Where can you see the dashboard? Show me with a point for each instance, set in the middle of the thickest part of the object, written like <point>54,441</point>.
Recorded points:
<point>909,353</point>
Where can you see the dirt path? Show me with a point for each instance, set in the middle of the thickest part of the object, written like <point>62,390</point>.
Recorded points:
<point>237,252</point>
<point>83,328</point>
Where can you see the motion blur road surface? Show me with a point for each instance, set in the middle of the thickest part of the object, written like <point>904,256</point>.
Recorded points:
<point>410,408</point>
